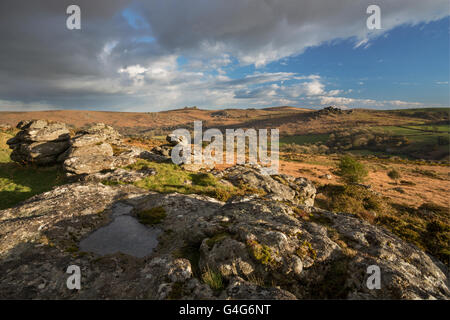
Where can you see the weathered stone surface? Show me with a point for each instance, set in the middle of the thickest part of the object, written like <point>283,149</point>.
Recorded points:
<point>120,176</point>
<point>98,132</point>
<point>100,148</point>
<point>153,156</point>
<point>276,187</point>
<point>40,153</point>
<point>95,163</point>
<point>39,142</point>
<point>228,256</point>
<point>42,130</point>
<point>164,150</point>
<point>264,249</point>
<point>64,204</point>
<point>174,139</point>
<point>91,151</point>
<point>88,164</point>
<point>241,289</point>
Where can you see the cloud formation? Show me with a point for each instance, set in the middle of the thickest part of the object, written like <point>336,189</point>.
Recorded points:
<point>154,55</point>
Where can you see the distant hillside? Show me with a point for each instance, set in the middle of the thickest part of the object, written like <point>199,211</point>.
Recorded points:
<point>290,120</point>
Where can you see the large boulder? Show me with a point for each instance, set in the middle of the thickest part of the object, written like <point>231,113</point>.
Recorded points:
<point>90,164</point>
<point>276,187</point>
<point>173,139</point>
<point>39,142</point>
<point>98,132</point>
<point>92,151</point>
<point>100,148</point>
<point>262,249</point>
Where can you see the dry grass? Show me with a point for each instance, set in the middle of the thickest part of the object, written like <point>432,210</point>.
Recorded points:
<point>290,121</point>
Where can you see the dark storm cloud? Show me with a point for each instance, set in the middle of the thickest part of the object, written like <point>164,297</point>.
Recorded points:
<point>43,62</point>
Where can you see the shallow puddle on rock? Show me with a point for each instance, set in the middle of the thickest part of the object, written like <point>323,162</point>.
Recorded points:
<point>125,234</point>
<point>120,209</point>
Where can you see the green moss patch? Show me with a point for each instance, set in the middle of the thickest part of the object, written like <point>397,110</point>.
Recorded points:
<point>306,249</point>
<point>217,238</point>
<point>152,216</point>
<point>171,178</point>
<point>260,252</point>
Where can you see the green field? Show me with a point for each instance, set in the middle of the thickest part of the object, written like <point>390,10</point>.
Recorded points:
<point>445,128</point>
<point>425,141</point>
<point>417,134</point>
<point>304,139</point>
<point>18,183</point>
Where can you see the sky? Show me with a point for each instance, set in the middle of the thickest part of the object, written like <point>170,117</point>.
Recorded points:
<point>154,55</point>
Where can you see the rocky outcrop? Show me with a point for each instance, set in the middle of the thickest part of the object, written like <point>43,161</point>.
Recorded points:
<point>173,140</point>
<point>262,249</point>
<point>276,187</point>
<point>331,110</point>
<point>120,176</point>
<point>96,133</point>
<point>39,142</point>
<point>92,151</point>
<point>163,153</point>
<point>221,114</point>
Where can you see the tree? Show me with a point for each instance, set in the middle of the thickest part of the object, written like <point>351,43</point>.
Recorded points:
<point>351,170</point>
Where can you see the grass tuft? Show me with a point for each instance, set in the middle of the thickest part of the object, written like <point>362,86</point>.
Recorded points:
<point>213,279</point>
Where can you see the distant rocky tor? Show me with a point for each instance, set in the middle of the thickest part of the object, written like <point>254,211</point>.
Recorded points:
<point>271,245</point>
<point>331,110</point>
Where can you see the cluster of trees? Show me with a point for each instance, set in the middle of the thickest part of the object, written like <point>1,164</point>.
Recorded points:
<point>364,139</point>
<point>350,140</point>
<point>306,148</point>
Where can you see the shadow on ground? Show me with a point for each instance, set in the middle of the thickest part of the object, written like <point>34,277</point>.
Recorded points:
<point>18,183</point>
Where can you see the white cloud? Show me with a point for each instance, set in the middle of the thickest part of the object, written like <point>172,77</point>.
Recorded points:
<point>369,103</point>
<point>314,88</point>
<point>133,71</point>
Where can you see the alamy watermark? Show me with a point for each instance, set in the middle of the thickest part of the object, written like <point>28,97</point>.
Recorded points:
<point>374,20</point>
<point>73,22</point>
<point>74,280</point>
<point>374,280</point>
<point>256,150</point>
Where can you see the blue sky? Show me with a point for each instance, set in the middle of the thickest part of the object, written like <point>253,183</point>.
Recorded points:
<point>158,55</point>
<point>408,63</point>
